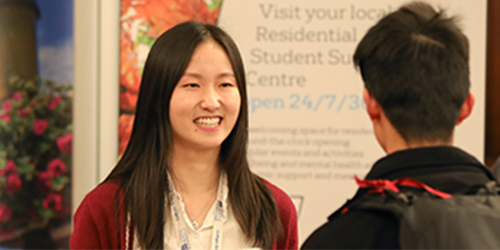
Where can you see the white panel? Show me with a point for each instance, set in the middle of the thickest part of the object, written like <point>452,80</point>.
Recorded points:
<point>96,93</point>
<point>109,85</point>
<point>85,99</point>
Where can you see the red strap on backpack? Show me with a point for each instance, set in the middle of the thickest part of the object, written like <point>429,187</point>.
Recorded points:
<point>379,185</point>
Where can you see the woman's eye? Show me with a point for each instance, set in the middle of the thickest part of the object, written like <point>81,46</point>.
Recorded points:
<point>226,84</point>
<point>191,85</point>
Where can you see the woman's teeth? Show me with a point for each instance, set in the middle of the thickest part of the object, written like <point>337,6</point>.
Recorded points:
<point>208,122</point>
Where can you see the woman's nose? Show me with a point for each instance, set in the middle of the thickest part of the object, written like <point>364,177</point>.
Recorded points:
<point>210,100</point>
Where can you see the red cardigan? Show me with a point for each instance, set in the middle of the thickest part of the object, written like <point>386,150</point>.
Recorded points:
<point>95,227</point>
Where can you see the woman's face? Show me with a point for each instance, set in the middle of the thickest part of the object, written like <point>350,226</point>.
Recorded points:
<point>205,103</point>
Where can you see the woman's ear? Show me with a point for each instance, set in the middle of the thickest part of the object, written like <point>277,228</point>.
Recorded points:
<point>372,107</point>
<point>466,109</point>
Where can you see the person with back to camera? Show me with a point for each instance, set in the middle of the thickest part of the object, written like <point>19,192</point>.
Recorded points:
<point>184,181</point>
<point>414,64</point>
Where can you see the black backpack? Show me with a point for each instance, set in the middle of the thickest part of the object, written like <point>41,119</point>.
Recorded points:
<point>430,219</point>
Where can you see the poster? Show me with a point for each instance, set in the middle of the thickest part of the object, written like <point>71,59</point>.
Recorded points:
<point>309,131</point>
<point>36,76</point>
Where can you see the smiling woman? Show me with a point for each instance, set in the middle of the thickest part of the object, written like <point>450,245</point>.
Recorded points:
<point>184,180</point>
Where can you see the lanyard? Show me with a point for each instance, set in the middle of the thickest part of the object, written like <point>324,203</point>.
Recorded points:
<point>182,230</point>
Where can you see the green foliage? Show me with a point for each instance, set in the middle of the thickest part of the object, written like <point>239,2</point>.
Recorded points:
<point>213,4</point>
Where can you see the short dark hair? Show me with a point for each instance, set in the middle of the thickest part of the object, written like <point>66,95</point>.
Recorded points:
<point>415,63</point>
<point>142,170</point>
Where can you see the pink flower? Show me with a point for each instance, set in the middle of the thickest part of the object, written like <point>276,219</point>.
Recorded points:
<point>6,118</point>
<point>54,102</point>
<point>56,167</point>
<point>53,201</point>
<point>39,126</point>
<point>5,213</point>
<point>44,182</point>
<point>13,184</point>
<point>7,106</point>
<point>10,168</point>
<point>17,96</point>
<point>23,113</point>
<point>65,143</point>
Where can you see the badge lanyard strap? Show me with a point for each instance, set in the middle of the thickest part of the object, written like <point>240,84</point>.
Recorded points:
<point>182,230</point>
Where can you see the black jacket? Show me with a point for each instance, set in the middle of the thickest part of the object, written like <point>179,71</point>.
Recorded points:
<point>448,169</point>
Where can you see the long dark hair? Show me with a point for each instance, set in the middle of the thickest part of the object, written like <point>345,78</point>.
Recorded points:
<point>142,170</point>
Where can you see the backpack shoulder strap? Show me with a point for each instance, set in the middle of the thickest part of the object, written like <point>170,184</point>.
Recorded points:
<point>392,196</point>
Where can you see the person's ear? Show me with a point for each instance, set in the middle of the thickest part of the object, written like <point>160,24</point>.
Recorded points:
<point>372,107</point>
<point>466,109</point>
